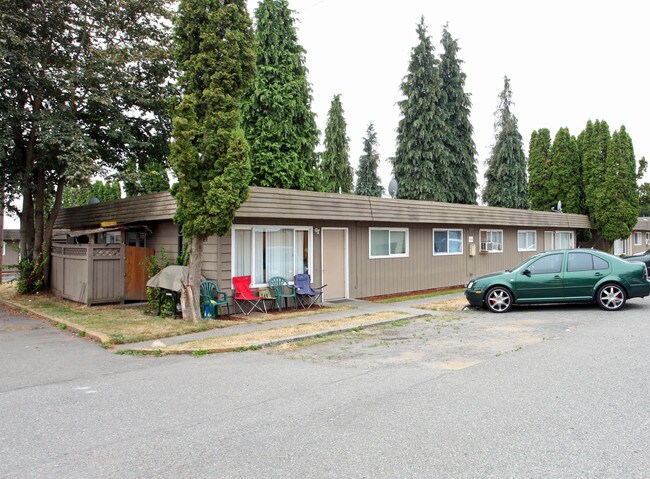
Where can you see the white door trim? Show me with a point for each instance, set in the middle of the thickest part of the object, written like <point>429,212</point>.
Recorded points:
<point>347,257</point>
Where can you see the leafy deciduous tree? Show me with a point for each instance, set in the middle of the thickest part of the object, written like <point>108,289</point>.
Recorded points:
<point>85,85</point>
<point>81,195</point>
<point>368,183</point>
<point>336,170</point>
<point>506,182</point>
<point>146,178</point>
<point>279,123</point>
<point>210,155</point>
<point>455,105</point>
<point>421,162</point>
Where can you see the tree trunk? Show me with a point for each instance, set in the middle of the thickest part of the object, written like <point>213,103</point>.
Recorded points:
<point>190,292</point>
<point>49,228</point>
<point>39,213</point>
<point>27,227</point>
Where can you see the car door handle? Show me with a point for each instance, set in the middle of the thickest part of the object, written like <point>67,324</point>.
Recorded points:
<point>556,277</point>
<point>598,274</point>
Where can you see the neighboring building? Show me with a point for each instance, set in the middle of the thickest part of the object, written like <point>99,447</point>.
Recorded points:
<point>10,247</point>
<point>359,246</point>
<point>639,240</point>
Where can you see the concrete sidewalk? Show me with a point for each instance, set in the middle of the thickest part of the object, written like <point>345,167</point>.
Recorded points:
<point>408,309</point>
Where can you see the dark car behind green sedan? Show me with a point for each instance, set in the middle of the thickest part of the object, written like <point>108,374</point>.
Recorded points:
<point>562,276</point>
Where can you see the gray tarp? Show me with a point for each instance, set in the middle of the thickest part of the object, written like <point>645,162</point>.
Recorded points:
<point>170,278</point>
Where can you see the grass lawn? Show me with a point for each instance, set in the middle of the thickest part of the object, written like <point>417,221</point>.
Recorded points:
<point>127,325</point>
<point>455,304</point>
<point>251,340</point>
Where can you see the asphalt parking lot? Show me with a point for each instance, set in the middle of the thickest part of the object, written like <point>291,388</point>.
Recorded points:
<point>453,340</point>
<point>556,391</point>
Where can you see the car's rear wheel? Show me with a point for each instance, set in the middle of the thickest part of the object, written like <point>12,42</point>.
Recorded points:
<point>499,299</point>
<point>611,297</point>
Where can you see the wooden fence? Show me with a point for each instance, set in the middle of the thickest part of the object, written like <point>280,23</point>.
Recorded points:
<point>90,274</point>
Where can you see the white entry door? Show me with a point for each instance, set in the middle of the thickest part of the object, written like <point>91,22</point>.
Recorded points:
<point>334,262</point>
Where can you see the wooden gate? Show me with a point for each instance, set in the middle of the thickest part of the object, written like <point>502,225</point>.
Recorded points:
<point>135,273</point>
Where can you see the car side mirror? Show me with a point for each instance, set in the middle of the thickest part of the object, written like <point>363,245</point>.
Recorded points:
<point>526,272</point>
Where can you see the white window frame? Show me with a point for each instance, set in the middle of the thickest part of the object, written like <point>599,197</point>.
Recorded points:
<point>647,239</point>
<point>573,239</point>
<point>527,232</point>
<point>446,230</point>
<point>4,248</point>
<point>638,235</point>
<point>252,229</point>
<point>489,231</point>
<point>389,255</point>
<point>621,246</point>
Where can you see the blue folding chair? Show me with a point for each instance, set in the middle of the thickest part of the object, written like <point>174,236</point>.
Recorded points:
<point>307,296</point>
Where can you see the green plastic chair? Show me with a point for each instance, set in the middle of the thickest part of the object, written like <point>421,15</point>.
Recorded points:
<point>280,286</point>
<point>211,299</point>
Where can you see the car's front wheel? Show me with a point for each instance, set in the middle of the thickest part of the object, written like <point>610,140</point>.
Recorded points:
<point>499,299</point>
<point>611,297</point>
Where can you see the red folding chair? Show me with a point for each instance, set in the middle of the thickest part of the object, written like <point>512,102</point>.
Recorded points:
<point>247,298</point>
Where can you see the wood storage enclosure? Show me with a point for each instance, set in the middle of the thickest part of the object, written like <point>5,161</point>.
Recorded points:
<point>89,274</point>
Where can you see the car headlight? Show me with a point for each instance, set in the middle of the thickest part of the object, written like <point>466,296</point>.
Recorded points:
<point>470,285</point>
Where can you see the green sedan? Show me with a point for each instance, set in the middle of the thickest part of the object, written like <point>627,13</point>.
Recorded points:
<point>562,276</point>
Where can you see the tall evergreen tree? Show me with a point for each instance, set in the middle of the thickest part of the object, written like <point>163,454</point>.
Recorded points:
<point>539,170</point>
<point>616,204</point>
<point>566,181</point>
<point>368,182</point>
<point>279,123</point>
<point>455,105</point>
<point>421,162</point>
<point>210,155</point>
<point>506,182</point>
<point>593,142</point>
<point>336,170</point>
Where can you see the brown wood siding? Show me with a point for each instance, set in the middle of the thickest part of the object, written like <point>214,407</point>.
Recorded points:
<point>11,249</point>
<point>422,269</point>
<point>156,206</point>
<point>164,234</point>
<point>640,248</point>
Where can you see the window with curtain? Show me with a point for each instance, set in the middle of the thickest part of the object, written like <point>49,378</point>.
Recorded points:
<point>563,239</point>
<point>447,241</point>
<point>526,240</point>
<point>620,247</point>
<point>388,243</point>
<point>264,252</point>
<point>491,241</point>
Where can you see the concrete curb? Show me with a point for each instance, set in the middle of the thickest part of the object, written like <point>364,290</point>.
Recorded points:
<point>275,342</point>
<point>69,325</point>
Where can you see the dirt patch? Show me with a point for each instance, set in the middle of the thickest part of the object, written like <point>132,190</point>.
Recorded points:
<point>451,342</point>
